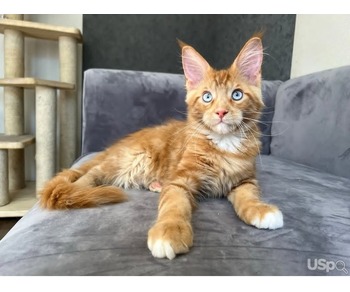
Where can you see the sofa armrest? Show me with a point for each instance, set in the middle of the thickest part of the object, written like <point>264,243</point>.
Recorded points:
<point>311,122</point>
<point>269,91</point>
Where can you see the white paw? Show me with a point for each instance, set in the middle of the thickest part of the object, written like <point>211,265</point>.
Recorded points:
<point>271,220</point>
<point>161,249</point>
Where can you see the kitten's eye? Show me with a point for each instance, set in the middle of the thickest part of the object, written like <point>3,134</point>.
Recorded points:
<point>237,94</point>
<point>207,97</point>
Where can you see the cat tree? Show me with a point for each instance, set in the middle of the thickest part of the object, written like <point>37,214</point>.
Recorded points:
<point>15,197</point>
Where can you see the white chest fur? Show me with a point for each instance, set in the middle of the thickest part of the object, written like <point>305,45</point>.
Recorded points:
<point>230,143</point>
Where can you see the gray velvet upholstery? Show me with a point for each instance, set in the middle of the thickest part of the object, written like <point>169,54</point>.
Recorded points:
<point>312,121</point>
<point>111,240</point>
<point>269,90</point>
<point>117,103</point>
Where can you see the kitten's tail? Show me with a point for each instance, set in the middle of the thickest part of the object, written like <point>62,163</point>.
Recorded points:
<point>63,191</point>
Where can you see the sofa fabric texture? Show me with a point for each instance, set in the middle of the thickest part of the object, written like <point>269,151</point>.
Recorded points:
<point>311,122</point>
<point>112,239</point>
<point>118,102</point>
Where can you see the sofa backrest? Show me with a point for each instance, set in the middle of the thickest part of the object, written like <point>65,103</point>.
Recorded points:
<point>119,102</point>
<point>311,124</point>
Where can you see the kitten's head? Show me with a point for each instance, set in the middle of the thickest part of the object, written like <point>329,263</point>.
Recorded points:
<point>221,100</point>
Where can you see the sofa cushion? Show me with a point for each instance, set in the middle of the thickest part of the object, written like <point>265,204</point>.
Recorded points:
<point>311,124</point>
<point>112,240</point>
<point>119,102</point>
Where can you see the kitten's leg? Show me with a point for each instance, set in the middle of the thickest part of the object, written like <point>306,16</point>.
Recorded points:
<point>172,233</point>
<point>248,206</point>
<point>155,187</point>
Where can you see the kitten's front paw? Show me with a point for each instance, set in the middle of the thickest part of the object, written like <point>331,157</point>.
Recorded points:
<point>265,216</point>
<point>169,238</point>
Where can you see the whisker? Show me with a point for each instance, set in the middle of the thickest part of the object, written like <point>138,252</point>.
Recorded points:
<point>260,112</point>
<point>256,121</point>
<point>280,133</point>
<point>266,123</point>
<point>241,130</point>
<point>186,127</point>
<point>256,143</point>
<point>180,112</point>
<point>258,132</point>
<point>198,126</point>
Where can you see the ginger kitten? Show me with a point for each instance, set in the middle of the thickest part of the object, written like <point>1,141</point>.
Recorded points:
<point>212,153</point>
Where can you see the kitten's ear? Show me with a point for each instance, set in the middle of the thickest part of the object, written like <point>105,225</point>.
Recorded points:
<point>194,65</point>
<point>249,60</point>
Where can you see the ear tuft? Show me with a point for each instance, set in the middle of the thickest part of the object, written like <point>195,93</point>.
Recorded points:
<point>194,65</point>
<point>250,59</point>
<point>181,43</point>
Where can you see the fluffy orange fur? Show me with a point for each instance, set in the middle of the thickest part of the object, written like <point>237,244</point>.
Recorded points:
<point>212,153</point>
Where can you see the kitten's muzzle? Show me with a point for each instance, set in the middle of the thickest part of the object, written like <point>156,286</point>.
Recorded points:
<point>221,113</point>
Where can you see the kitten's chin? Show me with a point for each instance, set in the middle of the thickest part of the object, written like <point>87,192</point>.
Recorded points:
<point>223,129</point>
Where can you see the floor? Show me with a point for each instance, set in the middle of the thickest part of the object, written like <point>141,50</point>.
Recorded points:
<point>6,224</point>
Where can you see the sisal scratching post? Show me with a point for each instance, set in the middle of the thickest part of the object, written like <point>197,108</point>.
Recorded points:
<point>45,119</point>
<point>4,184</point>
<point>68,101</point>
<point>13,100</point>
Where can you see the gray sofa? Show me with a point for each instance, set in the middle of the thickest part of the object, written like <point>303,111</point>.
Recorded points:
<point>304,168</point>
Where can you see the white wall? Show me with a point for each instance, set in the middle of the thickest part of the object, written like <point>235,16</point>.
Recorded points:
<point>41,61</point>
<point>320,42</point>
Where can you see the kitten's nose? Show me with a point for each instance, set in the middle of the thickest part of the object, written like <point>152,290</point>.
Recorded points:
<point>221,113</point>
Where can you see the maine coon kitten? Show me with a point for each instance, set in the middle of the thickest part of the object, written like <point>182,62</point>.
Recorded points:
<point>213,152</point>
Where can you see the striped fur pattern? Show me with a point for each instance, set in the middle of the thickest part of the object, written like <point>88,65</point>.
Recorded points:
<point>212,153</point>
